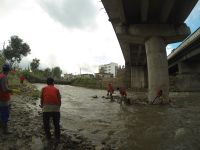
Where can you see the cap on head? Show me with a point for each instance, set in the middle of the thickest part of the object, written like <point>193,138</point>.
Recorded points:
<point>50,80</point>
<point>6,67</point>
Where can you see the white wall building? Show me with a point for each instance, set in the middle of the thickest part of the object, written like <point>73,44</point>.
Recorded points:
<point>109,68</point>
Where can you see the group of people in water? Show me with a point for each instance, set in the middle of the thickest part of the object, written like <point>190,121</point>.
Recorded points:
<point>122,91</point>
<point>50,102</point>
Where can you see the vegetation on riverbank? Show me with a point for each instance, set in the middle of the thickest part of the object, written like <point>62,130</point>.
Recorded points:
<point>100,83</point>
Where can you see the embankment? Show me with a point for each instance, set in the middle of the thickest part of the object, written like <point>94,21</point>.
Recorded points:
<point>25,125</point>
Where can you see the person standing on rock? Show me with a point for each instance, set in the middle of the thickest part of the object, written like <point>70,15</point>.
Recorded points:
<point>4,98</point>
<point>50,103</point>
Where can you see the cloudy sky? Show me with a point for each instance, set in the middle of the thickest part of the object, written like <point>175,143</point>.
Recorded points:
<point>72,34</point>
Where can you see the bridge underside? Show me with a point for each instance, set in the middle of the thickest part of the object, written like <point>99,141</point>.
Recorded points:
<point>143,29</point>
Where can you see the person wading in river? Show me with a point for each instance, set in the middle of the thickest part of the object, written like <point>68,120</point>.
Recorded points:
<point>4,99</point>
<point>50,103</point>
<point>110,91</point>
<point>123,95</point>
<point>159,96</point>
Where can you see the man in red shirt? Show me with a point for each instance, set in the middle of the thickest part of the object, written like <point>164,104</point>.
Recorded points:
<point>4,98</point>
<point>21,78</point>
<point>123,94</point>
<point>110,91</point>
<point>50,103</point>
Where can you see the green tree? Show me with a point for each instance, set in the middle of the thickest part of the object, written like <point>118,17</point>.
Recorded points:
<point>47,72</point>
<point>56,72</point>
<point>15,50</point>
<point>35,64</point>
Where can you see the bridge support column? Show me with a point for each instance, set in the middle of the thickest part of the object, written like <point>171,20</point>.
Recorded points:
<point>138,77</point>
<point>127,75</point>
<point>158,76</point>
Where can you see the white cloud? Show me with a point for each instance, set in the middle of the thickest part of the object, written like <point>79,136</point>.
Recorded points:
<point>56,44</point>
<point>71,13</point>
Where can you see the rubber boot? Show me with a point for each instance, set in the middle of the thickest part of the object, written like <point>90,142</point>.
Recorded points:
<point>5,128</point>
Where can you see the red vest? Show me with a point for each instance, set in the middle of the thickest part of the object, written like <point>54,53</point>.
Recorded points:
<point>110,88</point>
<point>22,78</point>
<point>4,96</point>
<point>123,92</point>
<point>50,95</point>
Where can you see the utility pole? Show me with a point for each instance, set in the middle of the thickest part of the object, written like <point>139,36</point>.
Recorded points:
<point>80,71</point>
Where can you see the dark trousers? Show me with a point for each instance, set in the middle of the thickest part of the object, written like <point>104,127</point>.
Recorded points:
<point>4,114</point>
<point>56,121</point>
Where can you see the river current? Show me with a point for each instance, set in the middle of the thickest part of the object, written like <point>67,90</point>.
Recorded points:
<point>134,127</point>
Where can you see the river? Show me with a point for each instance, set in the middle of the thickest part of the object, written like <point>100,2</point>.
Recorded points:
<point>135,127</point>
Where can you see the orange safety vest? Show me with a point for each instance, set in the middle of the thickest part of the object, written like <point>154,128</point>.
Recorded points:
<point>50,95</point>
<point>4,96</point>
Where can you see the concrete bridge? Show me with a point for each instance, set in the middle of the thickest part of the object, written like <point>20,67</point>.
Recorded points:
<point>143,29</point>
<point>184,63</point>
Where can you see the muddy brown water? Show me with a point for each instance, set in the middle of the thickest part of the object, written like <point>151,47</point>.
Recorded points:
<point>136,127</point>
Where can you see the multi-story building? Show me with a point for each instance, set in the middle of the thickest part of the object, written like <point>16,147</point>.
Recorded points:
<point>109,68</point>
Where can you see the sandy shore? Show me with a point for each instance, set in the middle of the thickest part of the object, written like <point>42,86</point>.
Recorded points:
<point>25,125</point>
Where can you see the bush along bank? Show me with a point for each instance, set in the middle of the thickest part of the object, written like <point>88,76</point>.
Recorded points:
<point>38,78</point>
<point>25,125</point>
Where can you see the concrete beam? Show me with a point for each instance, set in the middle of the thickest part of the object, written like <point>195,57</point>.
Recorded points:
<point>131,39</point>
<point>144,10</point>
<point>166,9</point>
<point>121,11</point>
<point>193,37</point>
<point>188,67</point>
<point>141,32</point>
<point>115,11</point>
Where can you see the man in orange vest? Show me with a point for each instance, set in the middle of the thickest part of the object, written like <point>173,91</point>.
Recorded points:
<point>50,103</point>
<point>4,98</point>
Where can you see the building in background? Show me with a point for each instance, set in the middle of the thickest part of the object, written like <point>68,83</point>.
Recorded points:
<point>109,69</point>
<point>103,75</point>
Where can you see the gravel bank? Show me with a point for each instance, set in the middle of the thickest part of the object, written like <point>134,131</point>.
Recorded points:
<point>25,125</point>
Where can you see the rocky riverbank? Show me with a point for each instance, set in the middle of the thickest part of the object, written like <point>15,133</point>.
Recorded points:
<point>25,125</point>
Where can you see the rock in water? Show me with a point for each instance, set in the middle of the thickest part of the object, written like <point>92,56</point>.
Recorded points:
<point>95,96</point>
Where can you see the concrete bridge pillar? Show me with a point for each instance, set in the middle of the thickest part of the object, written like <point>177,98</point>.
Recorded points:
<point>127,75</point>
<point>158,76</point>
<point>138,77</point>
